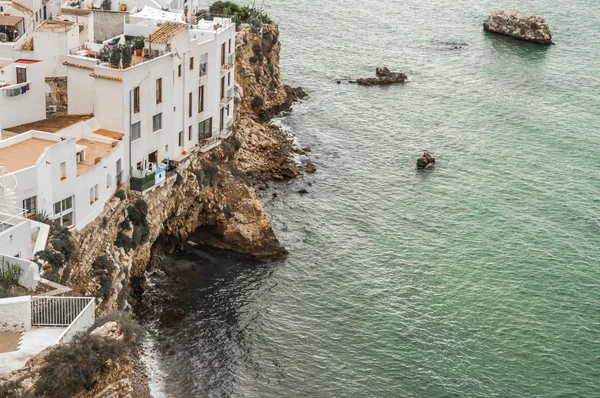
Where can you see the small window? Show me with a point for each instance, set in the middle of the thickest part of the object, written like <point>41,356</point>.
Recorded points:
<point>139,166</point>
<point>136,131</point>
<point>230,46</point>
<point>158,91</point>
<point>92,195</point>
<point>108,180</point>
<point>157,122</point>
<point>179,70</point>
<point>190,133</point>
<point>21,75</point>
<point>190,105</point>
<point>192,63</point>
<point>228,79</point>
<point>166,149</point>
<point>181,138</point>
<point>95,192</point>
<point>136,100</point>
<point>63,171</point>
<point>200,99</point>
<point>30,204</point>
<point>202,69</point>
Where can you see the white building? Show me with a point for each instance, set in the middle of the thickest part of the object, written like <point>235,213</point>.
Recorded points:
<point>175,98</point>
<point>22,92</point>
<point>67,176</point>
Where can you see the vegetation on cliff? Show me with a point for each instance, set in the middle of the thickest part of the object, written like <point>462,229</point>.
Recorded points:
<point>252,15</point>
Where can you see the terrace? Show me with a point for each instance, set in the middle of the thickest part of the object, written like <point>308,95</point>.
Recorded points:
<point>94,153</point>
<point>23,154</point>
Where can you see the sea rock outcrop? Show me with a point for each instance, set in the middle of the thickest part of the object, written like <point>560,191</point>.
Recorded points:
<point>384,77</point>
<point>425,161</point>
<point>265,152</point>
<point>512,23</point>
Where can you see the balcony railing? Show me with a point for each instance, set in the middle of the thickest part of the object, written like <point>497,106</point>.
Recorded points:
<point>142,183</point>
<point>76,313</point>
<point>227,96</point>
<point>228,64</point>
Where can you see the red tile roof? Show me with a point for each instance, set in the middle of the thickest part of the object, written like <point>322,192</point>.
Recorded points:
<point>166,32</point>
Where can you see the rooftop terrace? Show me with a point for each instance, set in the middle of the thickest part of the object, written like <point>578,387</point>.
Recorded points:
<point>50,125</point>
<point>95,150</point>
<point>23,154</point>
<point>55,26</point>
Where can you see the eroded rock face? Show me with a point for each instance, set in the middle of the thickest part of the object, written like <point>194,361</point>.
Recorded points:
<point>266,150</point>
<point>512,23</point>
<point>384,77</point>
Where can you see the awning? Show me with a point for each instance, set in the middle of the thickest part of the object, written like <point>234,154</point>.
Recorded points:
<point>9,20</point>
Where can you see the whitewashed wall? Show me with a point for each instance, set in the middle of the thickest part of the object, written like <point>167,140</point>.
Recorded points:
<point>15,314</point>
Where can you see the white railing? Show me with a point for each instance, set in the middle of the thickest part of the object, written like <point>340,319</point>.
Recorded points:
<point>58,311</point>
<point>228,62</point>
<point>227,96</point>
<point>84,321</point>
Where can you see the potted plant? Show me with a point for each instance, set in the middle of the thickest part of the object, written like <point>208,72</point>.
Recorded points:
<point>115,57</point>
<point>127,56</point>
<point>138,45</point>
<point>104,54</point>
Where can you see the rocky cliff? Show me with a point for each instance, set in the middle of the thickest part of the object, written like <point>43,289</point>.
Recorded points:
<point>511,23</point>
<point>209,198</point>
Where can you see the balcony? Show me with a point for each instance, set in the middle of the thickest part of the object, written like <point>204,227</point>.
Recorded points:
<point>228,64</point>
<point>227,130</point>
<point>227,96</point>
<point>142,181</point>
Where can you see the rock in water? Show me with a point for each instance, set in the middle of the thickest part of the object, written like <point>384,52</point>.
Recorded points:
<point>425,161</point>
<point>511,23</point>
<point>384,78</point>
<point>311,168</point>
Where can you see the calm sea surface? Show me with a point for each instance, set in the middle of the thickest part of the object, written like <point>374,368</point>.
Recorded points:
<point>480,278</point>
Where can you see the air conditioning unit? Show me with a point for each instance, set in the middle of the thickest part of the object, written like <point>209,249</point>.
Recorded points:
<point>52,108</point>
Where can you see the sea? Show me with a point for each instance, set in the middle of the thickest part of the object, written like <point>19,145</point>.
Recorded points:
<point>477,278</point>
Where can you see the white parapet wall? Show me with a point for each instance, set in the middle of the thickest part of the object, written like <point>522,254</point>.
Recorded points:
<point>15,314</point>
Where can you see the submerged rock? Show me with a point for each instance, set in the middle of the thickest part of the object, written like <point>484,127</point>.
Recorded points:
<point>425,161</point>
<point>384,77</point>
<point>311,168</point>
<point>512,23</point>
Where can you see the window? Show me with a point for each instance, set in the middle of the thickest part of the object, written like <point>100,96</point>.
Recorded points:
<point>230,46</point>
<point>202,69</point>
<point>181,138</point>
<point>21,75</point>
<point>136,100</point>
<point>190,105</point>
<point>63,171</point>
<point>166,148</point>
<point>222,87</point>
<point>228,79</point>
<point>227,108</point>
<point>158,91</point>
<point>157,122</point>
<point>92,195</point>
<point>200,99</point>
<point>63,211</point>
<point>223,54</point>
<point>205,129</point>
<point>95,192</point>
<point>108,181</point>
<point>30,204</point>
<point>179,70</point>
<point>192,63</point>
<point>136,131</point>
<point>190,133</point>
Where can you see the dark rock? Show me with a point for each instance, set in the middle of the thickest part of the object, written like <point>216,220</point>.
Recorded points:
<point>425,161</point>
<point>302,191</point>
<point>274,194</point>
<point>311,168</point>
<point>511,23</point>
<point>306,149</point>
<point>384,78</point>
<point>299,151</point>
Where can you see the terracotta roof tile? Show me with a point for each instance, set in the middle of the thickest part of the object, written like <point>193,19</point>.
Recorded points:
<point>70,65</point>
<point>166,32</point>
<point>21,8</point>
<point>73,11</point>
<point>97,76</point>
<point>50,125</point>
<point>108,133</point>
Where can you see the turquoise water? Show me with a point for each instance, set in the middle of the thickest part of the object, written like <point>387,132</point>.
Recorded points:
<point>480,278</point>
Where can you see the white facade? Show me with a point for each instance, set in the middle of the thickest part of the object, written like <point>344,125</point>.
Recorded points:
<point>22,93</point>
<point>177,99</point>
<point>69,181</point>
